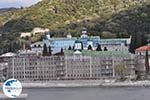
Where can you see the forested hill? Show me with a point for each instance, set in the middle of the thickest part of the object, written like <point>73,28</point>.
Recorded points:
<point>106,18</point>
<point>4,10</point>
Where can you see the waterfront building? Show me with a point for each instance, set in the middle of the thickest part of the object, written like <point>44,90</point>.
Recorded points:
<point>78,63</point>
<point>73,65</point>
<point>98,64</point>
<point>35,68</point>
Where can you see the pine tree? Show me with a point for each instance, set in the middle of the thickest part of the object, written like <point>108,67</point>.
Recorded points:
<point>10,48</point>
<point>15,46</point>
<point>147,62</point>
<point>137,40</point>
<point>90,47</point>
<point>105,49</point>
<point>62,51</point>
<point>132,44</point>
<point>82,46</point>
<point>73,47</point>
<point>50,51</point>
<point>98,48</point>
<point>69,48</point>
<point>45,53</point>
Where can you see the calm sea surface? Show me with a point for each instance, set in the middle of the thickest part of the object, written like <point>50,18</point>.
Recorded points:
<point>88,94</point>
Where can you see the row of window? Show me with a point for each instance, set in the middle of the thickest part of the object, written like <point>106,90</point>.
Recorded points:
<point>88,75</point>
<point>35,77</point>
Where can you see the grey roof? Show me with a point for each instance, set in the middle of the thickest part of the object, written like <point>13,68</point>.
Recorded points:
<point>99,53</point>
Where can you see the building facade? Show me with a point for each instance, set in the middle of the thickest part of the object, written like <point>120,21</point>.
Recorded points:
<point>85,65</point>
<point>65,42</point>
<point>98,65</point>
<point>35,68</point>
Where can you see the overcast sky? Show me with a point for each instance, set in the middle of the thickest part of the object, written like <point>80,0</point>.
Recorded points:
<point>16,3</point>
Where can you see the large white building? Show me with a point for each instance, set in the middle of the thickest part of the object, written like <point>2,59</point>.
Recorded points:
<point>70,66</point>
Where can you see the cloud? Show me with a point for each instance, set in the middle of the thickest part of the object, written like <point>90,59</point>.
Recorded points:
<point>17,3</point>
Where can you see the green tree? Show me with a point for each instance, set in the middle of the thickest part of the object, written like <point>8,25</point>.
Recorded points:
<point>105,49</point>
<point>45,53</point>
<point>137,40</point>
<point>50,50</point>
<point>147,62</point>
<point>62,51</point>
<point>90,47</point>
<point>82,46</point>
<point>98,48</point>
<point>114,3</point>
<point>121,70</point>
<point>69,48</point>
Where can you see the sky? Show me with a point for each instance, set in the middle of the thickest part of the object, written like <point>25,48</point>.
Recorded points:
<point>17,3</point>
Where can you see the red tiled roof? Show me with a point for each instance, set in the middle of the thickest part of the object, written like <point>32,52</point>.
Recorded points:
<point>143,48</point>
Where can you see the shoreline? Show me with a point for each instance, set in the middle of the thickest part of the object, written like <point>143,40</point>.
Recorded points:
<point>85,83</point>
<point>21,97</point>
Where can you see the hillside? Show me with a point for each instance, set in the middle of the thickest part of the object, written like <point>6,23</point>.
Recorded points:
<point>106,18</point>
<point>4,10</point>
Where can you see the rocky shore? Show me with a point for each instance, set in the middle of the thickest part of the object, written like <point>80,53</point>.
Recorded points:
<point>87,83</point>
